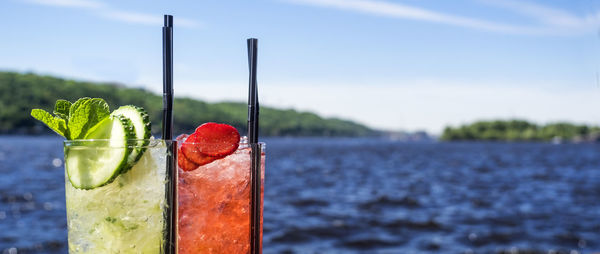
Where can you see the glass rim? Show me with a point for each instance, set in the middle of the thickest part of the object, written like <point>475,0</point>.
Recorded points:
<point>139,143</point>
<point>242,144</point>
<point>146,143</point>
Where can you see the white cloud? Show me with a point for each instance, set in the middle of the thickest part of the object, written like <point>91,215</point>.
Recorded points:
<point>133,17</point>
<point>85,4</point>
<point>548,15</point>
<point>145,19</point>
<point>105,11</point>
<point>555,22</point>
<point>397,10</point>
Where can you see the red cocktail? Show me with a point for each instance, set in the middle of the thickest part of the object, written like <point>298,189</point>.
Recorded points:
<point>215,200</point>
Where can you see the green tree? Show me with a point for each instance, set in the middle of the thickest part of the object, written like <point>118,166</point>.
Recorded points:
<point>516,130</point>
<point>19,93</point>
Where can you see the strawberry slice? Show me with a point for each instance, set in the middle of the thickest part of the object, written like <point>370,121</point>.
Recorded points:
<point>216,139</point>
<point>190,150</point>
<point>210,142</point>
<point>182,161</point>
<point>201,159</point>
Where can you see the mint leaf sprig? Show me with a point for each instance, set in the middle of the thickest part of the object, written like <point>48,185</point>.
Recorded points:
<point>61,109</point>
<point>73,120</point>
<point>55,123</point>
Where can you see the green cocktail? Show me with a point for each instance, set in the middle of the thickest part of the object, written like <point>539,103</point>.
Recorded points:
<point>117,178</point>
<point>127,215</point>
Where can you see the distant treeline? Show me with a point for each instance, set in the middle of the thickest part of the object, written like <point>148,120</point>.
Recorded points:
<point>519,130</point>
<point>19,93</point>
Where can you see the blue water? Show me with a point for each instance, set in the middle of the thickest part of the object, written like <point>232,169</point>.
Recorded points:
<point>364,196</point>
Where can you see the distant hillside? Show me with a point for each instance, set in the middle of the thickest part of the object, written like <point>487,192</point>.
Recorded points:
<point>19,93</point>
<point>519,130</point>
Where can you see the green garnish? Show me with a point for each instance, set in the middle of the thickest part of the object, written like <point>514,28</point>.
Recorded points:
<point>84,114</point>
<point>128,227</point>
<point>110,219</point>
<point>73,121</point>
<point>56,123</point>
<point>90,118</point>
<point>61,109</point>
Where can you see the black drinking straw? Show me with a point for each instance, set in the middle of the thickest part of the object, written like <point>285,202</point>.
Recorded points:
<point>167,135</point>
<point>252,92</point>
<point>255,166</point>
<point>167,123</point>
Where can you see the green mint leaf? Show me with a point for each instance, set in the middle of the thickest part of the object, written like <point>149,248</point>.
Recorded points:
<point>84,114</point>
<point>57,124</point>
<point>61,109</point>
<point>77,104</point>
<point>72,110</point>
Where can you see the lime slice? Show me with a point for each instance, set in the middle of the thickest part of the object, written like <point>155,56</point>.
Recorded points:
<point>94,164</point>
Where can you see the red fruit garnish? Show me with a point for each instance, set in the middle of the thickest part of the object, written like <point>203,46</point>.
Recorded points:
<point>190,150</point>
<point>210,142</point>
<point>184,163</point>
<point>216,139</point>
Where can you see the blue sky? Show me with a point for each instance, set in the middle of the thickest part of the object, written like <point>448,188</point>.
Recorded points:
<point>398,65</point>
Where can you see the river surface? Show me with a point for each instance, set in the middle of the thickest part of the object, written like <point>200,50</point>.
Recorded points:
<point>363,196</point>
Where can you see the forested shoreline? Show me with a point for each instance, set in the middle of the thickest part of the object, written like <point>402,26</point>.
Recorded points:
<point>20,92</point>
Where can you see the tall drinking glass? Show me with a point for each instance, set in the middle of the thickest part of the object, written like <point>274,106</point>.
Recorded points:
<point>214,204</point>
<point>128,215</point>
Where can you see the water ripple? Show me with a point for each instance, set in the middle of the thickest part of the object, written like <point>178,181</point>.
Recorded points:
<point>364,196</point>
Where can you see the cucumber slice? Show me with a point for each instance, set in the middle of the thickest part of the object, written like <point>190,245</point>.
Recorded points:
<point>91,166</point>
<point>141,123</point>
